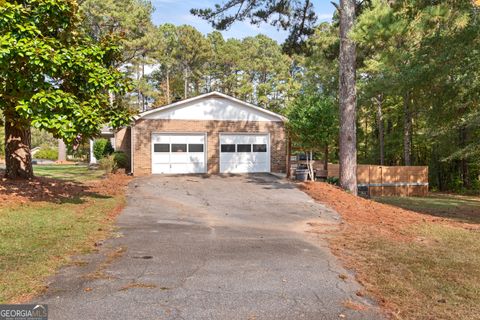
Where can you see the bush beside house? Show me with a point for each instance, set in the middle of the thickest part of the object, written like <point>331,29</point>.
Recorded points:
<point>47,154</point>
<point>102,148</point>
<point>108,159</point>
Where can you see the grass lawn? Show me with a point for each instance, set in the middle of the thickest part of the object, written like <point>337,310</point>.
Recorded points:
<point>419,264</point>
<point>38,236</point>
<point>78,173</point>
<point>460,208</point>
<point>434,276</point>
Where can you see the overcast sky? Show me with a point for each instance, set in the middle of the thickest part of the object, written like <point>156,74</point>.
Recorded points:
<point>178,13</point>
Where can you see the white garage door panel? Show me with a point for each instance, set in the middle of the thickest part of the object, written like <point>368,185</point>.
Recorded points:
<point>177,154</point>
<point>245,162</point>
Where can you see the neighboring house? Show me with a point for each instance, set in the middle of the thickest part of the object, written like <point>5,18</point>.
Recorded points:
<point>105,133</point>
<point>210,133</point>
<point>33,151</point>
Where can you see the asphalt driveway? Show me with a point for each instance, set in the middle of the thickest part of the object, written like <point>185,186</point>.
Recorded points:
<point>192,247</point>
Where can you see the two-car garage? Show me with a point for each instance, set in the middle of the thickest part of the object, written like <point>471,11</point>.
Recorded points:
<point>211,133</point>
<point>186,153</point>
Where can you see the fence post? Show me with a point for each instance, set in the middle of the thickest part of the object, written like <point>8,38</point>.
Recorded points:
<point>381,181</point>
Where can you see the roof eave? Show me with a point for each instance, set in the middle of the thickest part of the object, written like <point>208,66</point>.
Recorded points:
<point>205,95</point>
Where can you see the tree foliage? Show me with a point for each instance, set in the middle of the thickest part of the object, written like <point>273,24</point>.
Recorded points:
<point>297,16</point>
<point>188,63</point>
<point>312,121</point>
<point>126,23</point>
<point>53,77</point>
<point>423,60</point>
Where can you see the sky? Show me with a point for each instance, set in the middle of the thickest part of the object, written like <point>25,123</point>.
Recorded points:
<point>178,12</point>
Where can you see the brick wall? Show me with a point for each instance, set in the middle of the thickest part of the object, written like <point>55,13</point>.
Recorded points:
<point>123,142</point>
<point>144,128</point>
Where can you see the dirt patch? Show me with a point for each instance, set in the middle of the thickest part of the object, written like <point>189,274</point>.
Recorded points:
<point>365,215</point>
<point>99,272</point>
<point>59,191</point>
<point>137,285</point>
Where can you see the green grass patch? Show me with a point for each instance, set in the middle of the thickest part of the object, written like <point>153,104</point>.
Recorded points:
<point>437,276</point>
<point>37,238</point>
<point>460,208</point>
<point>78,173</point>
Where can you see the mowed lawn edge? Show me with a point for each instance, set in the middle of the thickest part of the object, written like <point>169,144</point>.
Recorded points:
<point>417,266</point>
<point>40,235</point>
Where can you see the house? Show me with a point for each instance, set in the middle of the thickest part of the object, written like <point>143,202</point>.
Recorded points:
<point>105,133</point>
<point>210,133</point>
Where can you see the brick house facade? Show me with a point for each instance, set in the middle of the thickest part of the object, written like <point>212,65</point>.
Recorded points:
<point>212,115</point>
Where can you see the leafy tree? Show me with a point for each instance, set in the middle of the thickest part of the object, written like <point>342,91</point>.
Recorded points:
<point>164,54</point>
<point>424,64</point>
<point>192,53</point>
<point>125,22</point>
<point>312,123</point>
<point>254,69</point>
<point>297,16</point>
<point>52,77</point>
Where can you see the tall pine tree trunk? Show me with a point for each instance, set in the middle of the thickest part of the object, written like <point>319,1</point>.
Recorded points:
<point>347,95</point>
<point>407,130</point>
<point>143,77</point>
<point>185,89</point>
<point>139,98</point>
<point>465,172</point>
<point>381,133</point>
<point>18,159</point>
<point>325,159</point>
<point>168,87</point>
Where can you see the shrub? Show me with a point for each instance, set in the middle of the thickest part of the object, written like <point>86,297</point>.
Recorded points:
<point>333,180</point>
<point>121,159</point>
<point>102,148</point>
<point>47,153</point>
<point>108,164</point>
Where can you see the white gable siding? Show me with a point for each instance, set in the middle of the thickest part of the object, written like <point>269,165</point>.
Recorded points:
<point>212,108</point>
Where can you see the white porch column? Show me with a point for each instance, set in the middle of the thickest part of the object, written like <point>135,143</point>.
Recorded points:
<point>92,156</point>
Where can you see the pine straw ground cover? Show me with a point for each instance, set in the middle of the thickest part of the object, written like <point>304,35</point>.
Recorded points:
<point>45,221</point>
<point>416,265</point>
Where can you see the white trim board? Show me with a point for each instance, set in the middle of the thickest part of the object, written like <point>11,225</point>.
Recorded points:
<point>212,106</point>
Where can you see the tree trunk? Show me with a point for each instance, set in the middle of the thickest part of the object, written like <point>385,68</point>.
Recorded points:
<point>62,151</point>
<point>381,133</point>
<point>347,95</point>
<point>325,159</point>
<point>465,172</point>
<point>168,87</point>
<point>18,159</point>
<point>185,88</point>
<point>311,172</point>
<point>139,94</point>
<point>143,77</point>
<point>407,130</point>
<point>365,148</point>
<point>289,157</point>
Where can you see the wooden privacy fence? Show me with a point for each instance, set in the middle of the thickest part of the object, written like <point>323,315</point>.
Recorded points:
<point>389,181</point>
<point>377,181</point>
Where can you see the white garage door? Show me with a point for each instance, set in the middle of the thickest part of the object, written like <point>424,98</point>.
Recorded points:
<point>241,153</point>
<point>178,153</point>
